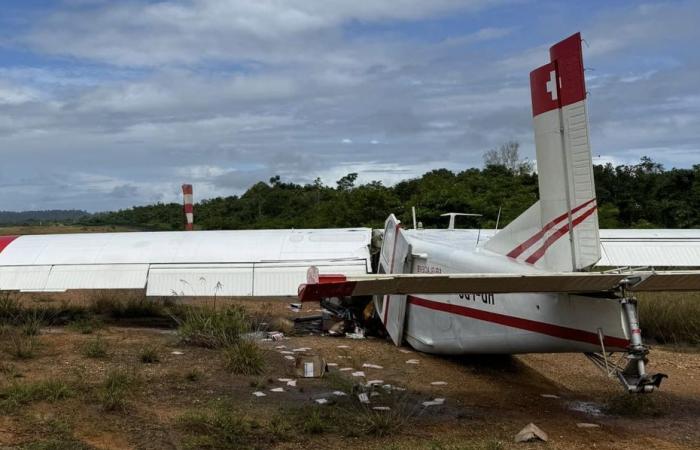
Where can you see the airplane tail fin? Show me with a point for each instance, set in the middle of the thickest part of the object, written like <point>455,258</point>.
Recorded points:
<point>560,232</point>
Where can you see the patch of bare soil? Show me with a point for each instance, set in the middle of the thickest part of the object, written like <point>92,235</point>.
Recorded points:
<point>487,399</point>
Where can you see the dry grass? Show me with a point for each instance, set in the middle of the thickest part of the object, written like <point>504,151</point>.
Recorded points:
<point>210,328</point>
<point>245,357</point>
<point>18,394</point>
<point>222,427</point>
<point>150,354</point>
<point>95,348</point>
<point>670,318</point>
<point>117,387</point>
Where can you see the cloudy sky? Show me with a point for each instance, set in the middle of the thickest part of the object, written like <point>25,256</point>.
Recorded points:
<point>107,104</point>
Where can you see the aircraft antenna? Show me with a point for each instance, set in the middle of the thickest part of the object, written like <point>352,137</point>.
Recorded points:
<point>498,218</point>
<point>413,211</point>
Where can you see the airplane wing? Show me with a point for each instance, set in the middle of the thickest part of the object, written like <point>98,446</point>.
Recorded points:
<point>498,283</point>
<point>649,248</point>
<point>193,263</point>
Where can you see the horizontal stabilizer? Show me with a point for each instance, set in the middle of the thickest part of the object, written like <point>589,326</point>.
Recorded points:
<point>499,283</point>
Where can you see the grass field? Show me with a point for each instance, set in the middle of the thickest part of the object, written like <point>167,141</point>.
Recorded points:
<point>76,373</point>
<point>60,229</point>
<point>670,317</point>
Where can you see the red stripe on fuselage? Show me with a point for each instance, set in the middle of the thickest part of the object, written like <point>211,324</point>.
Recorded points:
<point>549,329</point>
<point>517,251</point>
<point>5,241</point>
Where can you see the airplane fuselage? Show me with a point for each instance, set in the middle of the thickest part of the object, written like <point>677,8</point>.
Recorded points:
<point>483,322</point>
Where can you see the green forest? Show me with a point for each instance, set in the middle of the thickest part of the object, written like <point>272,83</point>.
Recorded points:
<point>643,195</point>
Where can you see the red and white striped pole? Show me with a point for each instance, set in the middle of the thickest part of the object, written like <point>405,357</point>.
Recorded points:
<point>188,207</point>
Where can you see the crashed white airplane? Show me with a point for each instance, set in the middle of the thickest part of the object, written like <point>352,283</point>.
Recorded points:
<point>516,291</point>
<point>521,291</point>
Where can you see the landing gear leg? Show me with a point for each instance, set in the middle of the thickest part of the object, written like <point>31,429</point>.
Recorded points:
<point>633,376</point>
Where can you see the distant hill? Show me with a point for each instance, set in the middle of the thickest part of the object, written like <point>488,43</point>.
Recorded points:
<point>33,217</point>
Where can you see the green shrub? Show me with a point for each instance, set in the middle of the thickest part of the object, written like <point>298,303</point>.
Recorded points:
<point>95,348</point>
<point>31,321</point>
<point>18,394</point>
<point>221,428</point>
<point>193,375</point>
<point>22,346</point>
<point>116,389</point>
<point>10,307</point>
<point>85,325</point>
<point>125,305</point>
<point>245,357</point>
<point>149,355</point>
<point>209,328</point>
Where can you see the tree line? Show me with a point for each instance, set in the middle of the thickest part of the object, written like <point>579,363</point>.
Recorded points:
<point>643,195</point>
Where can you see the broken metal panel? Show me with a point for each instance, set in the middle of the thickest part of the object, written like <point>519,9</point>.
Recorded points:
<point>97,276</point>
<point>16,278</point>
<point>200,280</point>
<point>284,278</point>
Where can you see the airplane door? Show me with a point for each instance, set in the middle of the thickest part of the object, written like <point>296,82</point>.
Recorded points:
<point>394,259</point>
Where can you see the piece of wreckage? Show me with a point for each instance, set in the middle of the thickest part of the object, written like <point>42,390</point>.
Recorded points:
<point>528,288</point>
<point>477,308</point>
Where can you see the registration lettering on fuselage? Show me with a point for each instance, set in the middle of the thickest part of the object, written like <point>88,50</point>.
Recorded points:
<point>486,298</point>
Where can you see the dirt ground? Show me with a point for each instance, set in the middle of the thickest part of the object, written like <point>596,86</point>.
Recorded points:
<point>487,399</point>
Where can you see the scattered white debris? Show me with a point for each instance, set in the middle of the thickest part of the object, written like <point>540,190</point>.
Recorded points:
<point>359,373</point>
<point>343,346</point>
<point>295,307</point>
<point>292,383</point>
<point>371,366</point>
<point>439,383</point>
<point>587,425</point>
<point>339,393</point>
<point>358,334</point>
<point>277,389</point>
<point>259,394</point>
<point>280,347</point>
<point>332,364</point>
<point>363,397</point>
<point>434,402</point>
<point>343,357</point>
<point>381,408</point>
<point>531,433</point>
<point>321,401</point>
<point>301,349</point>
<point>549,396</point>
<point>412,361</point>
<point>346,369</point>
<point>286,352</point>
<point>275,335</point>
<point>374,394</point>
<point>176,352</point>
<point>284,380</point>
<point>374,382</point>
<point>403,350</point>
<point>289,357</point>
<point>396,388</point>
